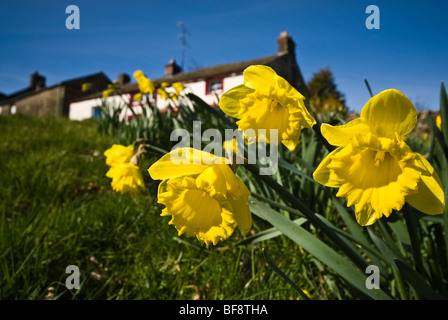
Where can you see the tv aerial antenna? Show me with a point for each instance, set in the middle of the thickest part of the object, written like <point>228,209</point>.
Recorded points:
<point>183,40</point>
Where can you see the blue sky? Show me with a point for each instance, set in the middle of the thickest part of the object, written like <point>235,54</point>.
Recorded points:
<point>409,52</point>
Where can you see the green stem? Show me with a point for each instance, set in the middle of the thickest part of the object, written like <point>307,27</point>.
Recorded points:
<point>400,284</point>
<point>413,230</point>
<point>316,129</point>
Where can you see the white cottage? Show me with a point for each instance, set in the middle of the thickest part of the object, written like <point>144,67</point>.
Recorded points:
<point>207,83</point>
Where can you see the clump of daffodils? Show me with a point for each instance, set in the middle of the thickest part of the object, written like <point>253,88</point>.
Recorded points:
<point>202,194</point>
<point>124,170</point>
<point>170,94</point>
<point>145,85</point>
<point>112,89</point>
<point>374,168</point>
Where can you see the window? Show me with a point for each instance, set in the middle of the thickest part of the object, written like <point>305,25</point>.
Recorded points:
<point>214,86</point>
<point>96,111</point>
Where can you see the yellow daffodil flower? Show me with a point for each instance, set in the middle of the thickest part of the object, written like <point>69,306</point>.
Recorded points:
<point>125,174</point>
<point>108,93</point>
<point>145,85</point>
<point>162,93</point>
<point>86,87</point>
<point>179,87</point>
<point>126,178</point>
<point>267,101</point>
<point>164,85</point>
<point>374,168</point>
<point>230,145</point>
<point>205,200</point>
<point>119,154</point>
<point>439,122</point>
<point>138,97</point>
<point>173,96</point>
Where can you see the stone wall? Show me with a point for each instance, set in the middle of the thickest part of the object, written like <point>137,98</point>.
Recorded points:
<point>48,102</point>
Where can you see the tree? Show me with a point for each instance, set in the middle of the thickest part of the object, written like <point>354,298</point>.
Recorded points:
<point>324,95</point>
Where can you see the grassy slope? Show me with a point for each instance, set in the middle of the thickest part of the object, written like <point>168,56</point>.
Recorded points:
<point>57,209</point>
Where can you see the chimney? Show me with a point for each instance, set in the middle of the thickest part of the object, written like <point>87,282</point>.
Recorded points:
<point>172,68</point>
<point>285,43</point>
<point>123,78</point>
<point>37,81</point>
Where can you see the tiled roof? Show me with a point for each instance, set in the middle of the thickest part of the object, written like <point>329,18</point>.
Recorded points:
<point>195,75</point>
<point>30,91</point>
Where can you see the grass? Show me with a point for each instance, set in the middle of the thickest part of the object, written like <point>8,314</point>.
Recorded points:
<point>57,209</point>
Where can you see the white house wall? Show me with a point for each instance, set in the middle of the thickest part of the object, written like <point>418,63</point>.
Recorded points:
<point>232,81</point>
<point>84,109</point>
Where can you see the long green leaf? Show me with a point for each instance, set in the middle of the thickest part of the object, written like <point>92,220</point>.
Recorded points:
<point>351,224</point>
<point>444,116</point>
<point>417,281</point>
<point>370,250</point>
<point>389,254</point>
<point>444,110</point>
<point>268,233</point>
<point>318,248</point>
<point>310,215</point>
<point>284,164</point>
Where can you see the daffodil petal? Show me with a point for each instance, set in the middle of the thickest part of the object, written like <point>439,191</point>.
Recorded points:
<point>389,113</point>
<point>163,187</point>
<point>430,198</point>
<point>233,184</point>
<point>323,174</point>
<point>230,101</point>
<point>182,162</point>
<point>291,144</point>
<point>238,198</point>
<point>259,76</point>
<point>119,154</point>
<point>126,178</point>
<point>241,213</point>
<point>342,135</point>
<point>366,216</point>
<point>202,212</point>
<point>290,91</point>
